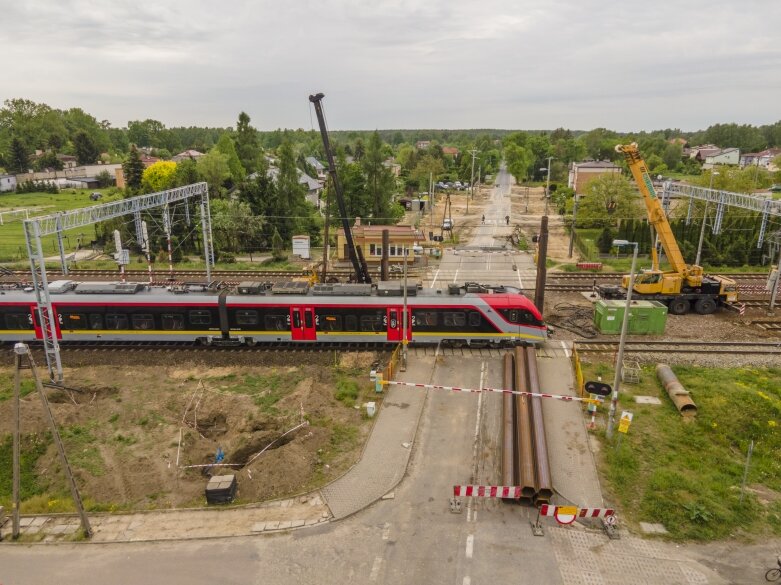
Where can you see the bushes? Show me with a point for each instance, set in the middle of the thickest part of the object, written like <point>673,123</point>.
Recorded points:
<point>37,187</point>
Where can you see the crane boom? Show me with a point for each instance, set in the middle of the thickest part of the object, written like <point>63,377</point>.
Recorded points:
<point>356,256</point>
<point>656,214</point>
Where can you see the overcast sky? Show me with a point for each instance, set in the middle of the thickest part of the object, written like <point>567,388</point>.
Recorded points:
<point>579,64</point>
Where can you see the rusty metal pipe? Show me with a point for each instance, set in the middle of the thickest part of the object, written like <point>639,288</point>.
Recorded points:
<point>544,484</point>
<point>675,390</point>
<point>524,452</point>
<point>508,425</point>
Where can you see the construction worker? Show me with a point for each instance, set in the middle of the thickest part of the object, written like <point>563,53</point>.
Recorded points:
<point>507,219</point>
<point>483,218</point>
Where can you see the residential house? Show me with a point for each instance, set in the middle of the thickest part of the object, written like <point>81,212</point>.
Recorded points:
<point>580,174</point>
<point>317,166</point>
<point>149,160</point>
<point>186,155</point>
<point>422,144</point>
<point>369,239</point>
<point>451,151</point>
<point>7,183</point>
<point>314,188</point>
<point>699,153</point>
<point>759,159</point>
<point>725,156</point>
<point>393,166</point>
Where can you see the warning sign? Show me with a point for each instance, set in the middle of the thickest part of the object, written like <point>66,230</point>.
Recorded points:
<point>565,514</point>
<point>626,420</point>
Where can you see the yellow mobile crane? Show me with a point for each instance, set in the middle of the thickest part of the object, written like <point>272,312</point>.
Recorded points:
<point>684,286</point>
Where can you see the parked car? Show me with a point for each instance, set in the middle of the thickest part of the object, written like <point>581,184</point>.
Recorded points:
<point>447,224</point>
<point>95,196</point>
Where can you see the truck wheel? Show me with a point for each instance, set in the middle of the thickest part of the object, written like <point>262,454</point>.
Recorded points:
<point>679,306</point>
<point>705,306</point>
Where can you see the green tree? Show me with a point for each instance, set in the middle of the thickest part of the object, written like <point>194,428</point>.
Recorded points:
<point>291,193</point>
<point>186,173</point>
<point>18,158</point>
<point>519,161</point>
<point>233,225</point>
<point>605,240</point>
<point>609,197</point>
<point>159,176</point>
<point>48,160</point>
<point>213,168</point>
<point>87,152</point>
<point>672,155</point>
<point>277,247</point>
<point>426,167</point>
<point>133,169</point>
<point>104,179</point>
<point>226,147</point>
<point>379,179</point>
<point>247,146</point>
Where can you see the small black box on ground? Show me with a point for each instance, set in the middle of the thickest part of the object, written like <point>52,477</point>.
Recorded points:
<point>221,489</point>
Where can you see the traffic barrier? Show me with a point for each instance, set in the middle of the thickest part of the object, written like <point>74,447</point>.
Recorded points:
<point>589,265</point>
<point>487,491</point>
<point>564,512</point>
<point>563,397</point>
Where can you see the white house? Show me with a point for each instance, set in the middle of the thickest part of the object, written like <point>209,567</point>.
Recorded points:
<point>317,166</point>
<point>582,173</point>
<point>725,156</point>
<point>759,159</point>
<point>187,154</point>
<point>7,183</point>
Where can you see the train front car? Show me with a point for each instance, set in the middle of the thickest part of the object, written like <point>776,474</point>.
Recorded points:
<point>517,319</point>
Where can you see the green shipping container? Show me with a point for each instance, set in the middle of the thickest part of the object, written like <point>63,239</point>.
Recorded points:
<point>645,317</point>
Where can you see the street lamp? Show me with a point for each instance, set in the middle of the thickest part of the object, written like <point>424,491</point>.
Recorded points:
<point>704,217</point>
<point>624,322</point>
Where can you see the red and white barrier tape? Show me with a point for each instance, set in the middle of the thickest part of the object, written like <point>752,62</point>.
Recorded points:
<point>487,491</point>
<point>549,510</point>
<point>496,390</point>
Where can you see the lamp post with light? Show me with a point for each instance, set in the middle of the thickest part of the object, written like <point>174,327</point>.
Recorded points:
<point>547,184</point>
<point>622,341</point>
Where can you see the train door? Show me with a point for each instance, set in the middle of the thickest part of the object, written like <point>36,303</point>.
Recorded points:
<point>394,318</point>
<point>302,324</point>
<point>37,325</point>
<point>34,320</point>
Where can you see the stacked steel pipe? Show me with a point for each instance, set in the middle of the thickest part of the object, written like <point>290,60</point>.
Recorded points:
<point>525,453</point>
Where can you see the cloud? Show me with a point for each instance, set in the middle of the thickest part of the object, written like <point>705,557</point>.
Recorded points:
<point>400,63</point>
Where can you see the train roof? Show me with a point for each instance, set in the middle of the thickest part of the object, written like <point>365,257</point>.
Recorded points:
<point>65,291</point>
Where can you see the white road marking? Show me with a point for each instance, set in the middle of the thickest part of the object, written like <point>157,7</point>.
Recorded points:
<point>375,569</point>
<point>467,580</point>
<point>468,514</point>
<point>520,283</point>
<point>386,531</point>
<point>489,262</point>
<point>433,282</point>
<point>470,545</point>
<point>564,347</point>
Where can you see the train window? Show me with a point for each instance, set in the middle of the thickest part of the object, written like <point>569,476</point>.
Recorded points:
<point>200,317</point>
<point>372,323</point>
<point>350,323</point>
<point>276,322</point>
<point>455,319</point>
<point>331,322</point>
<point>307,319</point>
<point>474,319</point>
<point>246,317</point>
<point>173,321</point>
<point>425,318</point>
<point>74,321</point>
<point>95,321</point>
<point>143,321</point>
<point>116,321</point>
<point>17,321</point>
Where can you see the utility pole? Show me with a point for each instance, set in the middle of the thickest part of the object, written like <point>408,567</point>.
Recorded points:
<point>622,341</point>
<point>774,290</point>
<point>472,181</point>
<point>404,319</point>
<point>146,247</point>
<point>542,269</point>
<point>547,186</point>
<point>21,350</point>
<point>572,229</point>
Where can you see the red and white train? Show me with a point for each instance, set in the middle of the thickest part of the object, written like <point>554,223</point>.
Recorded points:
<point>253,313</point>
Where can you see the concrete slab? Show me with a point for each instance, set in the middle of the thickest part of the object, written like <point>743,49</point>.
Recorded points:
<point>647,400</point>
<point>653,528</point>
<point>297,523</point>
<point>258,527</point>
<point>39,520</point>
<point>285,525</point>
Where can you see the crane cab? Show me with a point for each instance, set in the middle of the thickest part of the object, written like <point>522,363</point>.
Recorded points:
<point>654,282</point>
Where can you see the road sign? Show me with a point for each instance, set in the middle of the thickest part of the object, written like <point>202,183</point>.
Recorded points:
<point>611,520</point>
<point>598,388</point>
<point>565,514</point>
<point>625,421</point>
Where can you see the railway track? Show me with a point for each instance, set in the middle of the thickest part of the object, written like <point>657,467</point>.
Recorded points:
<point>683,347</point>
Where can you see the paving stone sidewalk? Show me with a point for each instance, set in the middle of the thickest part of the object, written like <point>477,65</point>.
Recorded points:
<point>385,458</point>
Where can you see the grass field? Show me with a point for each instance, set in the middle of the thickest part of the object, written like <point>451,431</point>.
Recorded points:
<point>12,242</point>
<point>688,475</point>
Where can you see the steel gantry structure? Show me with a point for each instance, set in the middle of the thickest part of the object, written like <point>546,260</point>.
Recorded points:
<point>766,207</point>
<point>56,223</point>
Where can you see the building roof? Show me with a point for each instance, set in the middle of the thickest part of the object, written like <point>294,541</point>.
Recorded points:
<point>303,178</point>
<point>451,150</point>
<point>596,164</point>
<point>771,152</point>
<point>2,176</point>
<point>721,151</point>
<point>188,154</point>
<point>376,231</point>
<point>315,163</point>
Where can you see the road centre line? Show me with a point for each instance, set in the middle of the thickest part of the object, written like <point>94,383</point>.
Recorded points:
<point>470,546</point>
<point>375,569</point>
